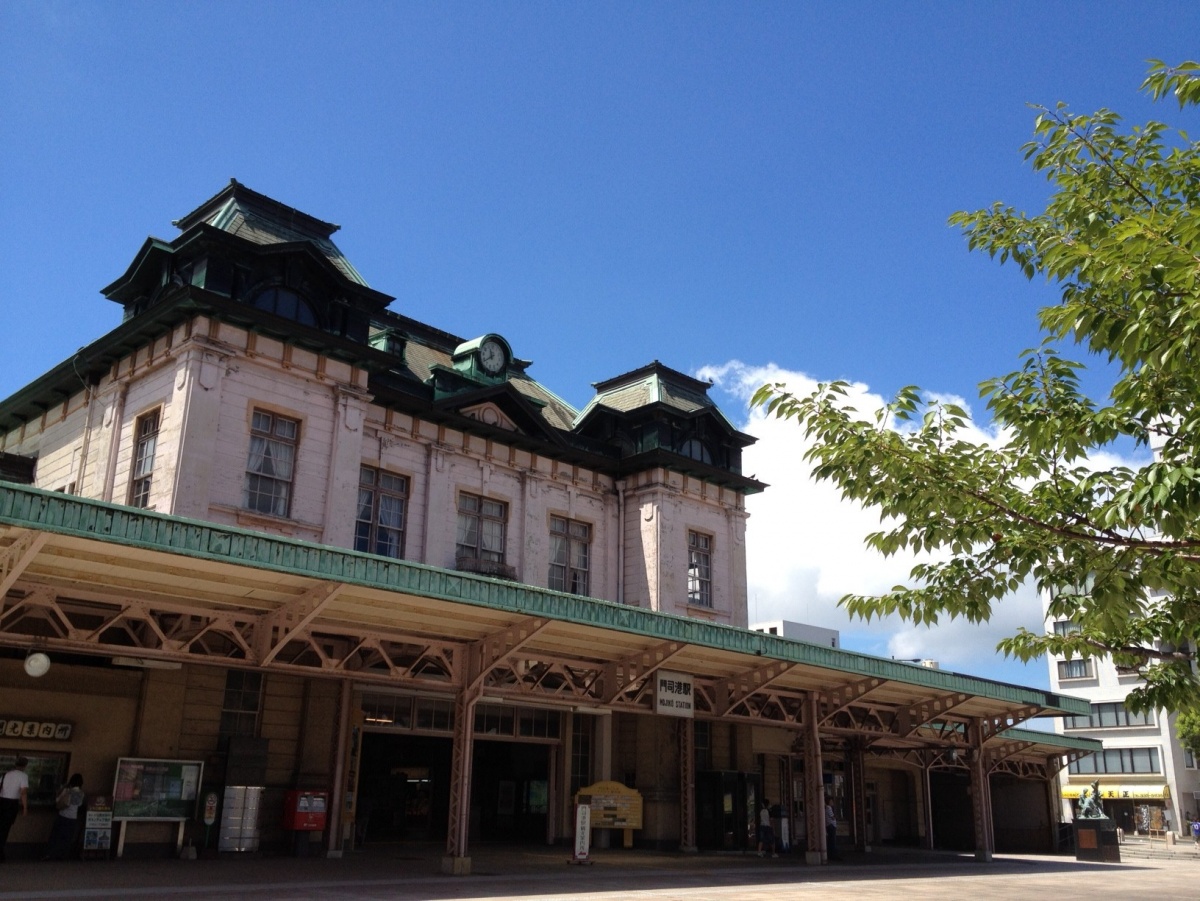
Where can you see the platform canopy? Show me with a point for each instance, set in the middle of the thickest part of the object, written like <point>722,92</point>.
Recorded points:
<point>86,577</point>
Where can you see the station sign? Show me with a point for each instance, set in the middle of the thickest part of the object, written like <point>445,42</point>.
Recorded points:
<point>673,694</point>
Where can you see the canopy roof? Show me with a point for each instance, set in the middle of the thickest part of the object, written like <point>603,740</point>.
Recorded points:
<point>84,576</point>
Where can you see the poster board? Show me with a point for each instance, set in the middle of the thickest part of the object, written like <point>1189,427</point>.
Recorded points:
<point>154,789</point>
<point>47,772</point>
<point>613,805</point>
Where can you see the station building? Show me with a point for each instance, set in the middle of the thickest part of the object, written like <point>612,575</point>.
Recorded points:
<point>271,525</point>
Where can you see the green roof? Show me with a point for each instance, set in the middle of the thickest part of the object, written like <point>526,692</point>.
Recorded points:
<point>62,514</point>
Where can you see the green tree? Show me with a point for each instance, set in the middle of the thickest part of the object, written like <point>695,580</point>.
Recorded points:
<point>1187,727</point>
<point>1117,550</point>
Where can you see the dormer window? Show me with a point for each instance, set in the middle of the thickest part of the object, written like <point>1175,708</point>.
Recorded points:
<point>286,304</point>
<point>696,449</point>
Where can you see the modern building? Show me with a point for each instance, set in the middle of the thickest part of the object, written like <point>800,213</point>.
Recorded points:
<point>1149,782</point>
<point>786,628</point>
<point>275,537</point>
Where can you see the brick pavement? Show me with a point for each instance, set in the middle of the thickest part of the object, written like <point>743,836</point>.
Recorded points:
<point>407,873</point>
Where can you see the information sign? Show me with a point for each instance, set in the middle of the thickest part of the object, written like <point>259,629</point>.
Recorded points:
<point>97,827</point>
<point>673,694</point>
<point>150,789</point>
<point>583,830</point>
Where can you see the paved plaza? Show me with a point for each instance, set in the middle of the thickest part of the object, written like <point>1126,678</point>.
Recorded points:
<point>402,873</point>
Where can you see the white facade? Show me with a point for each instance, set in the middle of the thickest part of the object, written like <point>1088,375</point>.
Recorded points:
<point>1148,781</point>
<point>786,628</point>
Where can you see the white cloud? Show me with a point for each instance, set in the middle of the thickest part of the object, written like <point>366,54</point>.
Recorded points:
<point>805,546</point>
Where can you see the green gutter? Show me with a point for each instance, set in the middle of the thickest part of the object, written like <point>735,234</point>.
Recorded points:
<point>1066,742</point>
<point>62,514</point>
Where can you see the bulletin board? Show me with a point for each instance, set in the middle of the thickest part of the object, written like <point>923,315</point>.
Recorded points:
<point>151,789</point>
<point>47,772</point>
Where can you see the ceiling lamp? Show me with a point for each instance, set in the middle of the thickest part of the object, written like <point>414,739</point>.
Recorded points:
<point>37,663</point>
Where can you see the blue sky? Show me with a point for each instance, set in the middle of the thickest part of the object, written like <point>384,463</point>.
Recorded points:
<point>602,184</point>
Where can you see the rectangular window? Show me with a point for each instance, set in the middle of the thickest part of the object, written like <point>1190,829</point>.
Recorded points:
<point>570,555</point>
<point>1118,761</point>
<point>1189,759</point>
<point>481,528</point>
<point>272,463</point>
<point>1065,627</point>
<point>379,527</point>
<point>581,752</point>
<point>146,443</point>
<point>699,569</point>
<point>242,703</point>
<point>1075,669</point>
<point>1109,715</point>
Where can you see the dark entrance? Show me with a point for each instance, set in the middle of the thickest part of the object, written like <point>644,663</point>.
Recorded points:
<point>726,810</point>
<point>403,788</point>
<point>953,819</point>
<point>510,791</point>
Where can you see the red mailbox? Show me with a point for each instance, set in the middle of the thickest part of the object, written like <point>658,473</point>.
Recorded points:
<point>304,811</point>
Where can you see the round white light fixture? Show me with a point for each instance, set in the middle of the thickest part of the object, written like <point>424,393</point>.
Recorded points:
<point>37,663</point>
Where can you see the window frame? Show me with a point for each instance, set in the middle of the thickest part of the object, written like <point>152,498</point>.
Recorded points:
<point>1142,761</point>
<point>141,464</point>
<point>274,442</point>
<point>574,574</point>
<point>480,515</point>
<point>368,532</point>
<point>699,569</point>
<point>1121,718</point>
<point>1064,665</point>
<point>240,713</point>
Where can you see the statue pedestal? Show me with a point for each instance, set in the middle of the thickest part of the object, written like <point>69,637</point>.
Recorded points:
<point>1096,839</point>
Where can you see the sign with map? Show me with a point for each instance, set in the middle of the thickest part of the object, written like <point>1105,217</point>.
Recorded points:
<point>148,789</point>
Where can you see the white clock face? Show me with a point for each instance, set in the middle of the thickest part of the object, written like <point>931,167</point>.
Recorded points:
<point>491,356</point>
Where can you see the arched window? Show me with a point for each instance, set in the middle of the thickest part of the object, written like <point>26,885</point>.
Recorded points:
<point>285,303</point>
<point>696,450</point>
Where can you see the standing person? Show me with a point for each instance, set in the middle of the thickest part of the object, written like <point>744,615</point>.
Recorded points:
<point>66,824</point>
<point>831,832</point>
<point>14,799</point>
<point>766,833</point>
<point>1196,831</point>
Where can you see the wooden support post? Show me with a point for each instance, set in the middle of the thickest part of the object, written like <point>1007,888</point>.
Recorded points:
<point>981,795</point>
<point>814,786</point>
<point>457,862</point>
<point>858,794</point>
<point>687,785</point>
<point>927,799</point>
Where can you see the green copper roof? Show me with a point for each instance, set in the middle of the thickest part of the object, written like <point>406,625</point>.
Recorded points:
<point>1066,742</point>
<point>62,514</point>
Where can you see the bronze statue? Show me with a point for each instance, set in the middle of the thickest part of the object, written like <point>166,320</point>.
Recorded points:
<point>1090,807</point>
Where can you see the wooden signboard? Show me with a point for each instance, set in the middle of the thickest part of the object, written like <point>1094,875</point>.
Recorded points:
<point>613,806</point>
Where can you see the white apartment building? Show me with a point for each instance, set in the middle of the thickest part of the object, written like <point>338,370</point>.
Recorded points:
<point>1149,782</point>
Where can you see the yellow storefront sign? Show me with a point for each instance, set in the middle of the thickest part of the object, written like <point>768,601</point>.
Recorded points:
<point>1121,792</point>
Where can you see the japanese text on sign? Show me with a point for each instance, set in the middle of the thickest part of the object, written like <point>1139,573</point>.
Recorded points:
<point>673,694</point>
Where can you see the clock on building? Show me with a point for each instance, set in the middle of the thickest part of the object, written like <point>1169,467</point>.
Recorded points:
<point>492,356</point>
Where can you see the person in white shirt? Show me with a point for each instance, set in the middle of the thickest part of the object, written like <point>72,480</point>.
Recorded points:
<point>14,799</point>
<point>766,833</point>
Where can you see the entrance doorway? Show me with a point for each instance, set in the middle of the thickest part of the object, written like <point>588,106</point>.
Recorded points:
<point>727,810</point>
<point>953,817</point>
<point>403,788</point>
<point>510,792</point>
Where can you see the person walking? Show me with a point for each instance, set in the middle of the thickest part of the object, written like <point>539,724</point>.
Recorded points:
<point>14,799</point>
<point>66,824</point>
<point>831,833</point>
<point>766,832</point>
